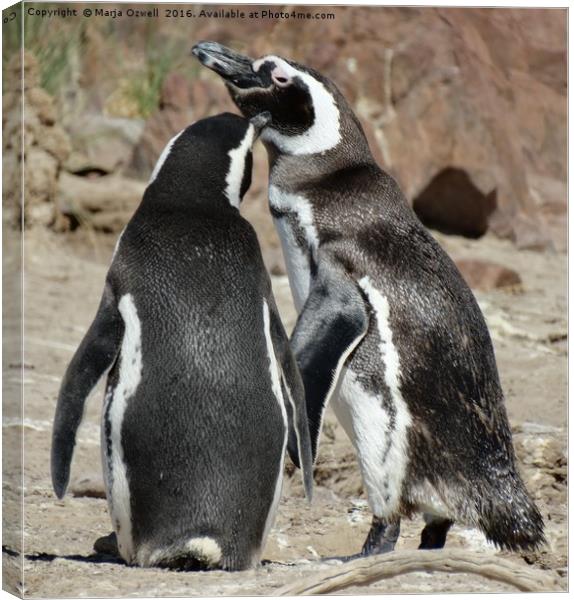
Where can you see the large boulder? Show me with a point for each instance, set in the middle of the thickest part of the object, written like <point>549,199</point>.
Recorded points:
<point>102,143</point>
<point>486,275</point>
<point>104,203</point>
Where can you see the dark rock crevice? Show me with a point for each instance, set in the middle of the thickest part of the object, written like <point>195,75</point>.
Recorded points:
<point>452,204</point>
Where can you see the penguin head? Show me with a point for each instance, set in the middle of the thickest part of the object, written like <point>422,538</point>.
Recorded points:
<point>213,156</point>
<point>307,110</point>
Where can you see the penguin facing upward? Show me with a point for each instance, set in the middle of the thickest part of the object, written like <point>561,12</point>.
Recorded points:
<point>203,393</point>
<point>388,330</point>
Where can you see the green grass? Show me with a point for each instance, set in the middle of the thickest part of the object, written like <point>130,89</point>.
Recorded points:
<point>55,46</point>
<point>61,45</point>
<point>144,86</point>
<point>52,41</point>
<point>161,57</point>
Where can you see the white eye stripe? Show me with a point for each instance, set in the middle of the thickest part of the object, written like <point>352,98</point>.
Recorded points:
<point>324,134</point>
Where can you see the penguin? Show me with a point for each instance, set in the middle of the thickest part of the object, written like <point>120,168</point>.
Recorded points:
<point>388,331</point>
<point>203,393</point>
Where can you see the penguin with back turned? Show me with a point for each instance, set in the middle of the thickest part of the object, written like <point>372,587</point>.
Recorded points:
<point>203,393</point>
<point>388,331</point>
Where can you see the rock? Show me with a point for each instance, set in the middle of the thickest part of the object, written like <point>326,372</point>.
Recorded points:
<point>543,452</point>
<point>174,93</point>
<point>40,173</point>
<point>452,203</point>
<point>106,203</point>
<point>43,104</point>
<point>542,457</point>
<point>31,74</point>
<point>11,179</point>
<point>111,221</point>
<point>173,114</point>
<point>107,544</point>
<point>181,104</point>
<point>527,235</point>
<point>550,195</point>
<point>484,275</point>
<point>103,143</point>
<point>47,146</point>
<point>208,97</point>
<point>122,102</point>
<point>88,486</point>
<point>56,142</point>
<point>40,214</point>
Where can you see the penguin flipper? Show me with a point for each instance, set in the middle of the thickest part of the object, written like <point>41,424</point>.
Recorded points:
<point>299,440</point>
<point>95,354</point>
<point>333,321</point>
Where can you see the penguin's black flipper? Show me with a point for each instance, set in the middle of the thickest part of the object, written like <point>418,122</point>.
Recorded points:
<point>94,355</point>
<point>299,441</point>
<point>331,324</point>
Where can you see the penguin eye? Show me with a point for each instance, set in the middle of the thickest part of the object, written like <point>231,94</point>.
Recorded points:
<point>280,77</point>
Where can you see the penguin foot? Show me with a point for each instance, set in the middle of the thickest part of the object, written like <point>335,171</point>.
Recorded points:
<point>108,544</point>
<point>382,537</point>
<point>433,536</point>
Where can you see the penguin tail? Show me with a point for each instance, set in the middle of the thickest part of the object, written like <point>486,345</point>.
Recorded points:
<point>511,520</point>
<point>196,554</point>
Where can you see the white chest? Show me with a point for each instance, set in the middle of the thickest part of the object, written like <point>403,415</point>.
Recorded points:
<point>296,261</point>
<point>297,253</point>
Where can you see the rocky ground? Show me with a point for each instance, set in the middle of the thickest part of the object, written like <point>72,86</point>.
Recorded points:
<point>63,281</point>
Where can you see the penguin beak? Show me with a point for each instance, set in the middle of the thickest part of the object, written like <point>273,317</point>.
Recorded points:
<point>235,68</point>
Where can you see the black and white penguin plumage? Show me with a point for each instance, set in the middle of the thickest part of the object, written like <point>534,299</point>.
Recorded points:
<point>203,392</point>
<point>388,330</point>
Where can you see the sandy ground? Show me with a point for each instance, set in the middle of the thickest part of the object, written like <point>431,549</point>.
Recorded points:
<point>63,283</point>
